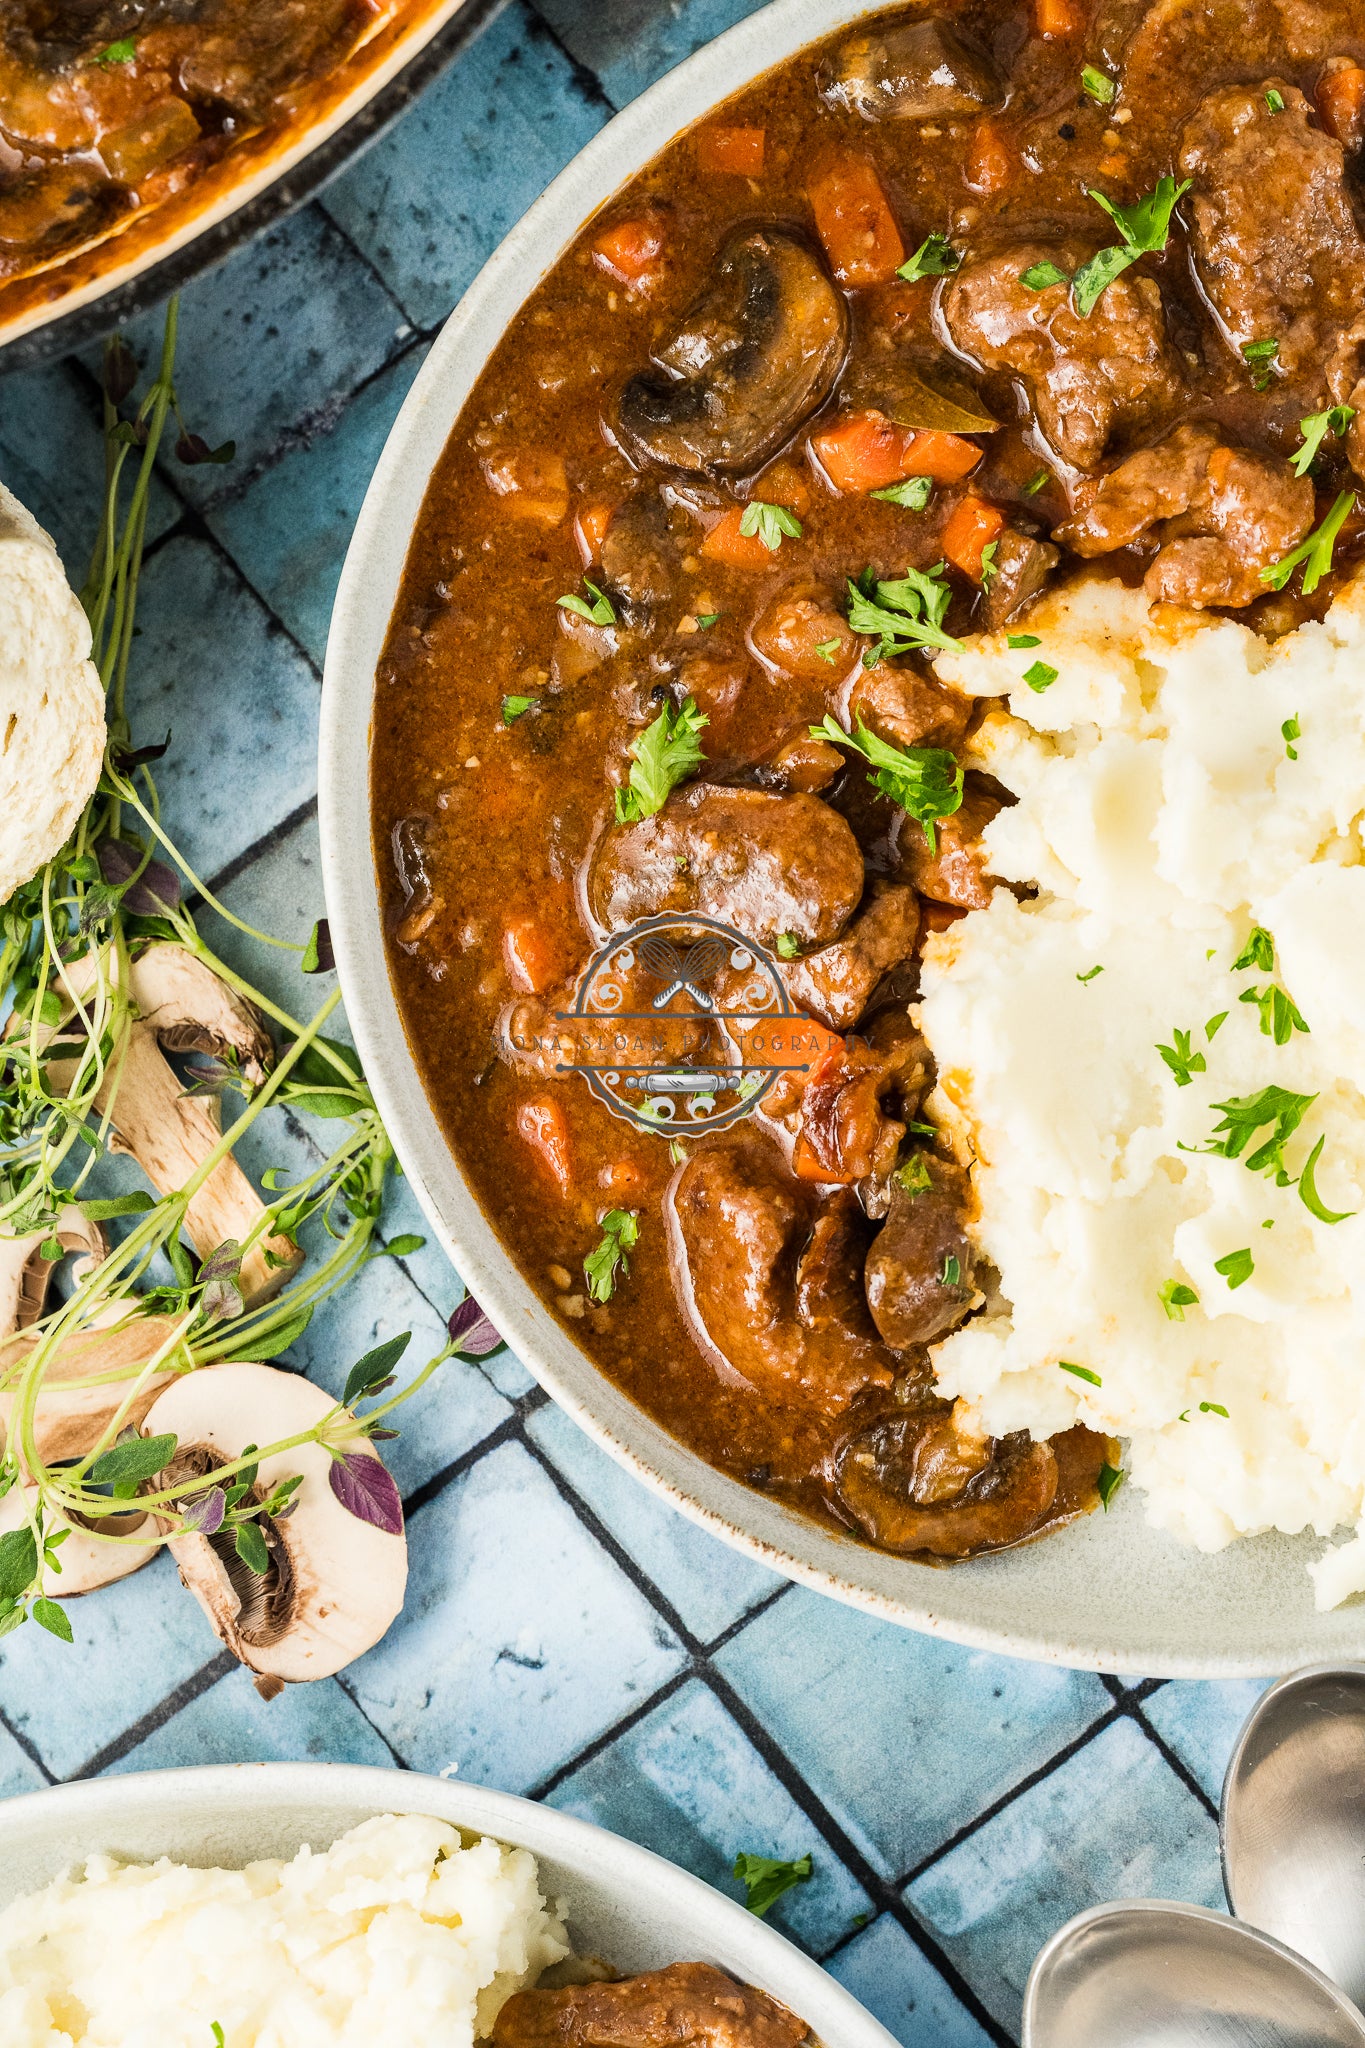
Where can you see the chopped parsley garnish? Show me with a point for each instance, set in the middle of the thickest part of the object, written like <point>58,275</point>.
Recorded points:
<point>904,613</point>
<point>788,946</point>
<point>1090,974</point>
<point>1144,227</point>
<point>620,1232</point>
<point>925,781</point>
<point>121,52</point>
<point>1108,1483</point>
<point>1315,427</point>
<point>601,612</point>
<point>769,522</point>
<point>1244,1115</point>
<point>1274,99</point>
<point>1315,553</point>
<point>1259,951</point>
<point>1023,640</point>
<point>677,1152</point>
<point>1216,1407</point>
<point>1081,1372</point>
<point>827,649</point>
<point>988,563</point>
<point>1236,1268</point>
<point>1036,482</point>
<point>1280,1017</point>
<point>951,1276</point>
<point>914,1176</point>
<point>1040,277</point>
<point>1290,731</point>
<point>706,620</point>
<point>516,707</point>
<point>1308,1190</point>
<point>665,754</point>
<point>1183,1063</point>
<point>1215,1025</point>
<point>1096,85</point>
<point>766,1878</point>
<point>935,257</point>
<point>1041,676</point>
<point>1175,1297</point>
<point>1261,357</point>
<point>913,492</point>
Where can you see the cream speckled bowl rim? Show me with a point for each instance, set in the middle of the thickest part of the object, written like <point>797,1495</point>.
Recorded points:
<point>1106,1594</point>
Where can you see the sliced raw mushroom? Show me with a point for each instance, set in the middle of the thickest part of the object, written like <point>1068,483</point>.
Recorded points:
<point>87,1561</point>
<point>334,1582</point>
<point>753,358</point>
<point>24,1272</point>
<point>72,1416</point>
<point>184,1007</point>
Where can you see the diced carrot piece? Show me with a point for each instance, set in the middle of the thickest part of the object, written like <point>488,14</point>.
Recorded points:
<point>782,483</point>
<point>1058,17</point>
<point>590,529</point>
<point>971,527</point>
<point>1341,102</point>
<point>865,451</point>
<point>622,1177</point>
<point>738,151</point>
<point>533,480</point>
<point>990,160</point>
<point>936,917</point>
<point>631,251</point>
<point>855,221</point>
<point>735,550</point>
<point>542,1123</point>
<point>533,958</point>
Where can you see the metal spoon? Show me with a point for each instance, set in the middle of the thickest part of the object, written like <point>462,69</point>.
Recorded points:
<point>1293,1820</point>
<point>1148,1974</point>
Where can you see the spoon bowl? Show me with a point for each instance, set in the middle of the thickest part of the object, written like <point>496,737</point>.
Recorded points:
<point>1148,1974</point>
<point>1293,1820</point>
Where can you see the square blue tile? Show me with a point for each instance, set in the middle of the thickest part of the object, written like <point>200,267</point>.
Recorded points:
<point>230,1723</point>
<point>630,43</point>
<point>430,203</point>
<point>898,1984</point>
<point>1113,1823</point>
<point>521,1640</point>
<point>1201,1723</point>
<point>929,1735</point>
<point>708,1584</point>
<point>688,1784</point>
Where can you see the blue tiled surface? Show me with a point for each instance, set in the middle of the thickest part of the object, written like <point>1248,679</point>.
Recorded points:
<point>564,1633</point>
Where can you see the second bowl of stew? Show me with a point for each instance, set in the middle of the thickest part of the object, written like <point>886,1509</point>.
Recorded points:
<point>602,639</point>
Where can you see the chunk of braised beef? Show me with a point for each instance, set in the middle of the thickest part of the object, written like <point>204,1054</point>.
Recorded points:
<point>925,1480</point>
<point>768,864</point>
<point>802,632</point>
<point>917,70</point>
<point>1106,378</point>
<point>954,870</point>
<point>639,554</point>
<point>1220,515</point>
<point>829,1270</point>
<point>1274,237</point>
<point>852,1113</point>
<point>1022,567</point>
<point>901,704</point>
<point>836,982</point>
<point>751,360</point>
<point>687,2005</point>
<point>743,1223</point>
<point>921,1268</point>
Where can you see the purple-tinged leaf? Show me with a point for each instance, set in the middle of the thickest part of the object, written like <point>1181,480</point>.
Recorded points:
<point>205,1512</point>
<point>366,1490</point>
<point>224,1263</point>
<point>193,449</point>
<point>221,1301</point>
<point>118,373</point>
<point>471,1330</point>
<point>125,758</point>
<point>157,888</point>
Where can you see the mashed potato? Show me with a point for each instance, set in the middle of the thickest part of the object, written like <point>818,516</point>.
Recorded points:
<point>396,1937</point>
<point>1181,783</point>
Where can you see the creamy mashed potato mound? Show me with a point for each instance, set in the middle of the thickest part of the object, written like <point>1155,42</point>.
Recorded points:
<point>1163,816</point>
<point>396,1937</point>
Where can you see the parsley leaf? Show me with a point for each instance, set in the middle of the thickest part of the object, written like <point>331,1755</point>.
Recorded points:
<point>1090,974</point>
<point>1244,1115</point>
<point>1280,1017</point>
<point>1308,1190</point>
<point>1036,482</point>
<point>1040,277</point>
<point>620,1232</point>
<point>766,1878</point>
<point>1315,427</point>
<point>1259,951</point>
<point>1080,1372</point>
<point>1290,731</point>
<point>1023,640</point>
<point>1175,1297</point>
<point>516,707</point>
<point>788,946</point>
<point>769,522</point>
<point>913,492</point>
<point>925,781</point>
<point>1274,99</point>
<point>1107,1484</point>
<point>935,257</point>
<point>1040,677</point>
<point>1236,1268</point>
<point>665,754</point>
<point>1315,553</point>
<point>1261,357</point>
<point>1144,227</point>
<point>904,613</point>
<point>988,563</point>
<point>1214,1407</point>
<point>706,620</point>
<point>1096,85</point>
<point>951,1276</point>
<point>1215,1025</point>
<point>827,649</point>
<point>1183,1063</point>
<point>914,1176</point>
<point>601,612</point>
<point>121,52</point>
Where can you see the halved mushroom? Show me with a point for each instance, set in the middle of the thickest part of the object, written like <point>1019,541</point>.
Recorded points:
<point>754,357</point>
<point>183,1006</point>
<point>926,1480</point>
<point>334,1583</point>
<point>920,71</point>
<point>87,1562</point>
<point>24,1272</point>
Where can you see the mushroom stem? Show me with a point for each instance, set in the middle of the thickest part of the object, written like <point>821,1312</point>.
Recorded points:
<point>84,1561</point>
<point>70,1419</point>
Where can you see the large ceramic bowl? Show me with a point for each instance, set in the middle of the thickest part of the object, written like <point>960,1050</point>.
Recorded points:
<point>87,293</point>
<point>1108,1593</point>
<point>623,1903</point>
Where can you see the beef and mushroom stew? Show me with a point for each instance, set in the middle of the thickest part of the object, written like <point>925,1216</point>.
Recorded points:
<point>948,309</point>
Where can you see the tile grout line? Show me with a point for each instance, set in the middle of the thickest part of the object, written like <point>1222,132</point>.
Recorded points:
<point>30,1750</point>
<point>1182,1771</point>
<point>587,80</point>
<point>183,1695</point>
